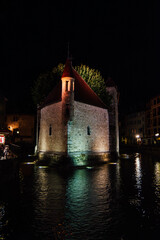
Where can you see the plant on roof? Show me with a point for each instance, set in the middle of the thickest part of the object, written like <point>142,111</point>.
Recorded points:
<point>47,81</point>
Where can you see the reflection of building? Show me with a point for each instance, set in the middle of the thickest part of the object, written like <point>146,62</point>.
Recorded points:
<point>21,127</point>
<point>73,119</point>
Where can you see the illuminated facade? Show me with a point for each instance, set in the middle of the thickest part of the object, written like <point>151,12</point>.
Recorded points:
<point>74,122</point>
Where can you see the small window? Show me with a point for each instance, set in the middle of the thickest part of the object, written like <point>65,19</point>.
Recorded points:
<point>50,130</point>
<point>67,110</point>
<point>88,131</point>
<point>67,85</point>
<point>154,112</point>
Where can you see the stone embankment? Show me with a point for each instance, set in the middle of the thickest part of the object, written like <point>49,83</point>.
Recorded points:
<point>152,150</point>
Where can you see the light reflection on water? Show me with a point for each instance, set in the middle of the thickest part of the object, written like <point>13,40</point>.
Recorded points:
<point>112,201</point>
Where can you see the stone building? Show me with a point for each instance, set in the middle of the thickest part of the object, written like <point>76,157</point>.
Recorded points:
<point>153,120</point>
<point>134,127</point>
<point>74,122</point>
<point>4,132</point>
<point>113,116</point>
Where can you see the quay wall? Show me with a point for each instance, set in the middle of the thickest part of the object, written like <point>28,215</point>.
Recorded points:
<point>146,149</point>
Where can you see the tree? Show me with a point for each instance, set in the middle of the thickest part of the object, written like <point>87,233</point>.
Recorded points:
<point>95,80</point>
<point>46,81</point>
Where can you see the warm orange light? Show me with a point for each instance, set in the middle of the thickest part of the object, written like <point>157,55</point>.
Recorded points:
<point>10,128</point>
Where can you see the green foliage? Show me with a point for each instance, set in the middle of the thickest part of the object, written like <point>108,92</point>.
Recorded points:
<point>95,80</point>
<point>46,81</point>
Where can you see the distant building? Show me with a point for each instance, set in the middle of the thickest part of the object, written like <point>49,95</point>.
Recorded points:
<point>21,127</point>
<point>153,120</point>
<point>74,122</point>
<point>4,132</point>
<point>134,128</point>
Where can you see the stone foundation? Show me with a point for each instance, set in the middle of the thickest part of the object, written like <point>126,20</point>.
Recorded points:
<point>73,159</point>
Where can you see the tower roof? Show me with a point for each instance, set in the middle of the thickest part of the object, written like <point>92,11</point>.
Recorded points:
<point>68,69</point>
<point>110,82</point>
<point>82,91</point>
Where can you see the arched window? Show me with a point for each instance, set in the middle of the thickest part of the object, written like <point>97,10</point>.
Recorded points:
<point>50,130</point>
<point>88,130</point>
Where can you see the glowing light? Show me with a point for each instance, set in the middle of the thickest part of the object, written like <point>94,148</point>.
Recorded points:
<point>89,167</point>
<point>157,134</point>
<point>10,128</point>
<point>43,166</point>
<point>137,136</point>
<point>29,163</point>
<point>2,139</point>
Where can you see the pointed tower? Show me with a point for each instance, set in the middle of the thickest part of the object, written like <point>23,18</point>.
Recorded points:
<point>113,117</point>
<point>67,92</point>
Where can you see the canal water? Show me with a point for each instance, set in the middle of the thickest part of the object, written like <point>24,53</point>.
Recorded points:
<point>119,200</point>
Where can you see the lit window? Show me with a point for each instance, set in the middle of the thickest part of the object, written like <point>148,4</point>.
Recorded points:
<point>2,138</point>
<point>88,131</point>
<point>50,130</point>
<point>67,85</point>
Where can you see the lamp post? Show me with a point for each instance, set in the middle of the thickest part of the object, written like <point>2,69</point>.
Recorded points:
<point>138,138</point>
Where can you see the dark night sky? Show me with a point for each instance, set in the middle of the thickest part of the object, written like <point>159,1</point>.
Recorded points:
<point>120,38</point>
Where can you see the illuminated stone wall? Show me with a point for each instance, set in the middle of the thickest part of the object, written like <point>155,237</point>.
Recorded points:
<point>89,130</point>
<point>53,137</point>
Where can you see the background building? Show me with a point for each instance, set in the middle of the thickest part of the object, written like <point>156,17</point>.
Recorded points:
<point>21,127</point>
<point>153,120</point>
<point>134,128</point>
<point>4,132</point>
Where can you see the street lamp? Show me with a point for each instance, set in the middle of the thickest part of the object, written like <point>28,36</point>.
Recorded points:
<point>138,138</point>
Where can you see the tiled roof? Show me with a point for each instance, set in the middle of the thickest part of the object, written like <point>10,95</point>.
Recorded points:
<point>54,96</point>
<point>82,91</point>
<point>67,72</point>
<point>110,82</point>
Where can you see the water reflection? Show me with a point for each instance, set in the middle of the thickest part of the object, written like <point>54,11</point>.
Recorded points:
<point>88,203</point>
<point>138,174</point>
<point>113,201</point>
<point>157,175</point>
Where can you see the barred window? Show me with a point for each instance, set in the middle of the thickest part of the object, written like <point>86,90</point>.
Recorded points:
<point>50,130</point>
<point>88,131</point>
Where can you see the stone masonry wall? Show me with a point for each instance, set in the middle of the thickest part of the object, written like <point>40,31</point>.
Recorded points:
<point>113,121</point>
<point>89,130</point>
<point>54,141</point>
